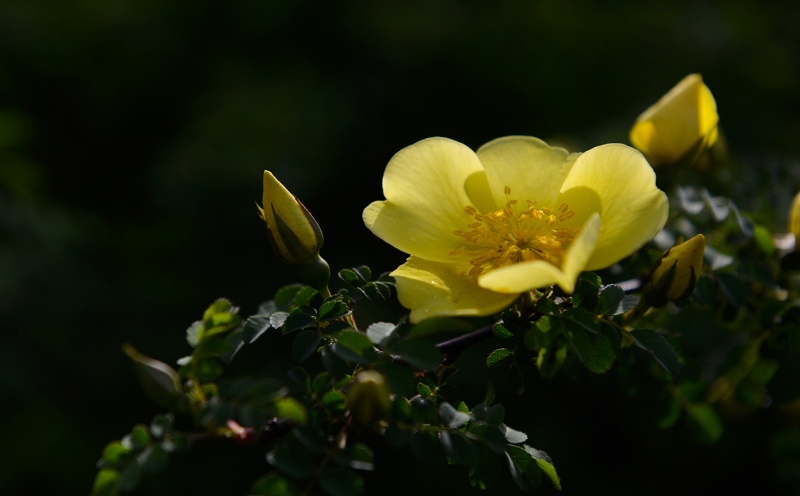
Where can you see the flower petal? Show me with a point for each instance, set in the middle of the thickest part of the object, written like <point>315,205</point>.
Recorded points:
<point>424,185</point>
<point>532,169</point>
<point>630,205</point>
<point>525,276</point>
<point>431,289</point>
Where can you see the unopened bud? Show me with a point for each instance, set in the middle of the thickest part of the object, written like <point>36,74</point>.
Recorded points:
<point>794,218</point>
<point>368,398</point>
<point>682,123</point>
<point>675,274</point>
<point>295,235</point>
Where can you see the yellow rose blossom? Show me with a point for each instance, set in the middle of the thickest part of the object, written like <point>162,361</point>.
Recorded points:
<point>684,120</point>
<point>483,227</point>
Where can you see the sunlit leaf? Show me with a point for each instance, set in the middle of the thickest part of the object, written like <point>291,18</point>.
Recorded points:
<point>498,356</point>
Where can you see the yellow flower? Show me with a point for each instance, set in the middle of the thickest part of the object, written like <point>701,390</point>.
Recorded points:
<point>483,227</point>
<point>675,274</point>
<point>794,217</point>
<point>682,121</point>
<point>294,233</point>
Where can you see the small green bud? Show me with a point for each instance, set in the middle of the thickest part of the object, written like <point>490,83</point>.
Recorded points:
<point>675,274</point>
<point>368,398</point>
<point>293,232</point>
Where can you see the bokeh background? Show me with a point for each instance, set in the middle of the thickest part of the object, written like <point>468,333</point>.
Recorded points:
<point>133,135</point>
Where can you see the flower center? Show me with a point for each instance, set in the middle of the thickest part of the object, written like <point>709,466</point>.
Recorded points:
<point>508,236</point>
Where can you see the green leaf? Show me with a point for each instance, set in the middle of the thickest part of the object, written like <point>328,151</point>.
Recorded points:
<point>298,319</point>
<point>582,317</point>
<point>764,239</point>
<point>274,484</point>
<point>291,409</point>
<point>254,327</point>
<point>376,291</point>
<point>707,421</point>
<point>294,295</point>
<point>604,349</point>
<point>351,277</point>
<point>457,447</point>
<point>424,390</point>
<point>545,465</point>
<point>546,306</point>
<point>586,289</point>
<point>523,468</point>
<point>106,483</point>
<point>292,459</point>
<point>659,348</point>
<point>498,356</point>
<point>579,340</point>
<point>500,331</point>
<point>488,415</point>
<point>549,360</point>
<point>340,481</point>
<point>380,332</point>
<point>450,417</point>
<point>115,454</point>
<point>333,308</point>
<point>277,319</point>
<point>335,402</point>
<point>609,299</point>
<point>489,435</point>
<point>305,344</point>
<point>353,346</point>
<point>419,353</point>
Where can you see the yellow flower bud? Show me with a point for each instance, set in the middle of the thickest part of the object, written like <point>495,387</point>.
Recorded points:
<point>681,124</point>
<point>675,274</point>
<point>794,218</point>
<point>368,398</point>
<point>294,233</point>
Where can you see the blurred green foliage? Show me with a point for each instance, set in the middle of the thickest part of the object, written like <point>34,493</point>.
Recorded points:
<point>132,140</point>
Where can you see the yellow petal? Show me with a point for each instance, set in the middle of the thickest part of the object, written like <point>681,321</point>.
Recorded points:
<point>431,289</point>
<point>529,166</point>
<point>424,186</point>
<point>683,118</point>
<point>526,276</point>
<point>630,205</point>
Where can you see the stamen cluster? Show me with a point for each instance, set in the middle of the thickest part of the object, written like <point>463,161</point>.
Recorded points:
<point>505,237</point>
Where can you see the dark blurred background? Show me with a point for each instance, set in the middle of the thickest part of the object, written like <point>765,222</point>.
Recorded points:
<point>133,135</point>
